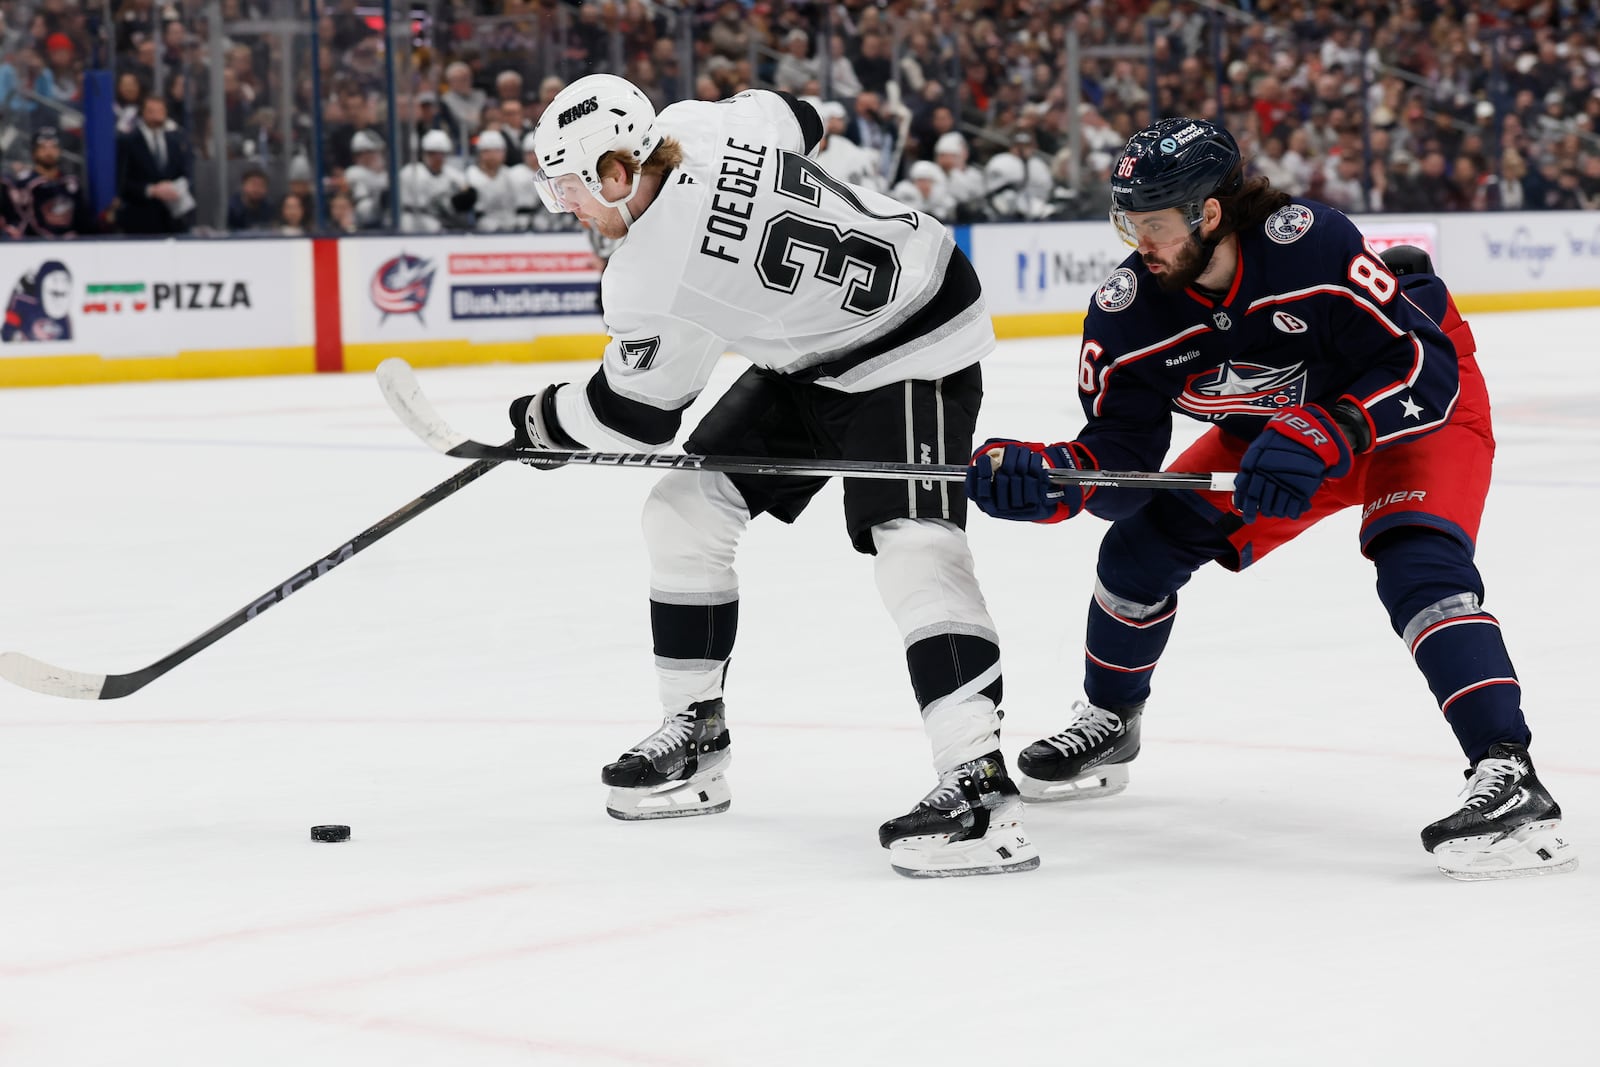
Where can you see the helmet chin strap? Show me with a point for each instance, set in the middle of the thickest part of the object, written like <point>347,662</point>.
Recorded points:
<point>622,204</point>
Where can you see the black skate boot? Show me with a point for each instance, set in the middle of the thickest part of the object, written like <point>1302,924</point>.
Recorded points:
<point>970,824</point>
<point>1088,759</point>
<point>676,771</point>
<point>1510,826</point>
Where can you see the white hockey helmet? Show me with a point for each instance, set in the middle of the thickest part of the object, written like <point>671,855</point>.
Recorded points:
<point>492,140</point>
<point>437,141</point>
<point>596,114</point>
<point>366,141</point>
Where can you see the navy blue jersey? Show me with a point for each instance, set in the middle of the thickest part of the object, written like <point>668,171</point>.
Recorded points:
<point>1312,316</point>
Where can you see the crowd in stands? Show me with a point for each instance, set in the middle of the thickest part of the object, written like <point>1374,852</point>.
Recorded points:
<point>962,108</point>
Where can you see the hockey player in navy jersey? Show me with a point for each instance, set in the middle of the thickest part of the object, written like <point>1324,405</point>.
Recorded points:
<point>865,325</point>
<point>1333,379</point>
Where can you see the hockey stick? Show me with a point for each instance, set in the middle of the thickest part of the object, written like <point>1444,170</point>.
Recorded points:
<point>41,677</point>
<point>404,394</point>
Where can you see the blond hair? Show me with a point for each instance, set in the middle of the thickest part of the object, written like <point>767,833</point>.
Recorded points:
<point>667,157</point>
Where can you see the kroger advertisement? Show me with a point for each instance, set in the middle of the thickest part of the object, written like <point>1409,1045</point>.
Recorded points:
<point>131,299</point>
<point>468,288</point>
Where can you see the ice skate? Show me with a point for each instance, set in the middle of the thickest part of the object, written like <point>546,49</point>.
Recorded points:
<point>1509,827</point>
<point>1088,759</point>
<point>676,771</point>
<point>970,824</point>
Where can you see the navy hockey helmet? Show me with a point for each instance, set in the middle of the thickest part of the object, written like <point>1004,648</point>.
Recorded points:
<point>1174,163</point>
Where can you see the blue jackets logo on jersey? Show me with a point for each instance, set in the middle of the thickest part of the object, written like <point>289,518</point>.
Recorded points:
<point>1238,388</point>
<point>1117,291</point>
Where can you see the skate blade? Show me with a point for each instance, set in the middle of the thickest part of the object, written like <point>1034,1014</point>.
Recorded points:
<point>1536,849</point>
<point>1003,850</point>
<point>679,801</point>
<point>1100,782</point>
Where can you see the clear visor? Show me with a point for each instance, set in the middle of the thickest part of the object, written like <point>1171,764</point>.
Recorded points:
<point>559,192</point>
<point>1152,228</point>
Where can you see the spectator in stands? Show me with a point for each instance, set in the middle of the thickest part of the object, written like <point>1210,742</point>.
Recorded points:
<point>508,87</point>
<point>155,174</point>
<point>840,155</point>
<point>841,72</point>
<point>301,181</point>
<point>1341,187</point>
<point>872,64</point>
<point>462,99</point>
<point>430,116</point>
<point>293,216</point>
<point>875,131</point>
<point>251,208</point>
<point>43,201</point>
<point>795,67</point>
<point>129,93</point>
<point>729,32</point>
<point>342,214</point>
<point>551,85</point>
<point>516,126</point>
<point>62,78</point>
<point>20,72</point>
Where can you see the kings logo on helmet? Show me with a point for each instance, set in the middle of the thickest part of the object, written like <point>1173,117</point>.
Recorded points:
<point>577,111</point>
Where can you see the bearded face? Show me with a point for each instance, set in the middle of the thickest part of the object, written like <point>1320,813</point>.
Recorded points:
<point>1176,267</point>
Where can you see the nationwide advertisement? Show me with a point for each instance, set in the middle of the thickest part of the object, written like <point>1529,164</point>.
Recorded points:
<point>154,299</point>
<point>465,297</point>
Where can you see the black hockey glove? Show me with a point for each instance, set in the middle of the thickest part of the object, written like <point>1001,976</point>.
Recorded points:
<point>534,420</point>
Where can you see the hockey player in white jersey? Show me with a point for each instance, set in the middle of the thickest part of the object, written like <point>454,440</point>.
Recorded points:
<point>865,325</point>
<point>496,204</point>
<point>433,196</point>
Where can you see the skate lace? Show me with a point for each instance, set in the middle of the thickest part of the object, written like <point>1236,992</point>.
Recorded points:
<point>949,787</point>
<point>1489,778</point>
<point>1092,726</point>
<point>672,734</point>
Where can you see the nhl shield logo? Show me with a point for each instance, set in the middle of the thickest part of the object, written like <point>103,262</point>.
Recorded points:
<point>1222,320</point>
<point>1288,224</point>
<point>1117,291</point>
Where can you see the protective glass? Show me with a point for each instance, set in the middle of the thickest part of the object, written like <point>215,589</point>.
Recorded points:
<point>1152,228</point>
<point>559,192</point>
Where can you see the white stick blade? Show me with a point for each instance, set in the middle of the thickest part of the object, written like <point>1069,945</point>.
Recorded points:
<point>41,677</point>
<point>400,388</point>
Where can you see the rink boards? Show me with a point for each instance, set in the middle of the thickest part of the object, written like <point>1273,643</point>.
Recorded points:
<point>128,309</point>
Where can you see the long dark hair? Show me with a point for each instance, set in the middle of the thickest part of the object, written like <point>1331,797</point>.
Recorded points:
<point>1252,204</point>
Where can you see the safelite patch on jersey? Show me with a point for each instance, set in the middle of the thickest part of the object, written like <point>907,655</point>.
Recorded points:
<point>1117,291</point>
<point>1288,224</point>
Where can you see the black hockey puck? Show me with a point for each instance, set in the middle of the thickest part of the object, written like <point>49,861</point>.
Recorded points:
<point>330,833</point>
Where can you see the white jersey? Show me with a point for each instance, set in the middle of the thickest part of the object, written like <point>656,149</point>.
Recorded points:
<point>425,198</point>
<point>752,247</point>
<point>496,206</point>
<point>368,192</point>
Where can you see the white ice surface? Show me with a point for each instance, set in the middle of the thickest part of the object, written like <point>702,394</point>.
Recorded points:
<point>1258,896</point>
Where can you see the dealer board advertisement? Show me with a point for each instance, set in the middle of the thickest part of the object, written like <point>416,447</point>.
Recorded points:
<point>465,296</point>
<point>142,299</point>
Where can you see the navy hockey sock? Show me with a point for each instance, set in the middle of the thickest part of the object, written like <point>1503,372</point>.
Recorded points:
<point>1122,643</point>
<point>1433,592</point>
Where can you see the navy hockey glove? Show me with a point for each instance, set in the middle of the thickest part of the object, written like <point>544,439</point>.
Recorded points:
<point>534,420</point>
<point>1018,487</point>
<point>1299,449</point>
